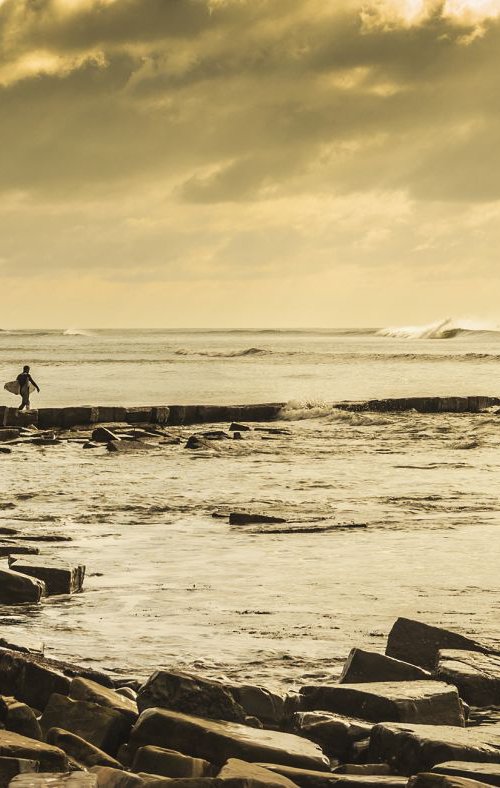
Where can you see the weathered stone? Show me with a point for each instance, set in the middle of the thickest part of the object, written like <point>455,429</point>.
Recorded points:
<point>13,745</point>
<point>334,733</point>
<point>308,778</point>
<point>127,446</point>
<point>484,772</point>
<point>235,427</point>
<point>268,707</point>
<point>430,702</point>
<point>247,518</point>
<point>111,414</point>
<point>9,434</point>
<point>80,751</point>
<point>59,577</point>
<point>189,694</point>
<point>114,778</point>
<point>11,548</point>
<point>30,681</point>
<point>409,749</point>
<point>19,718</point>
<point>20,418</point>
<point>103,727</point>
<point>379,769</point>
<point>198,442</point>
<point>92,692</point>
<point>139,415</point>
<point>41,441</point>
<point>476,675</point>
<point>219,741</point>
<point>5,450</point>
<point>11,767</point>
<point>419,643</point>
<point>128,692</point>
<point>237,769</point>
<point>48,780</point>
<point>103,435</point>
<point>169,763</point>
<point>16,588</point>
<point>367,666</point>
<point>431,780</point>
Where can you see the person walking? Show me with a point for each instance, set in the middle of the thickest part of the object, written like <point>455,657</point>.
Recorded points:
<point>25,380</point>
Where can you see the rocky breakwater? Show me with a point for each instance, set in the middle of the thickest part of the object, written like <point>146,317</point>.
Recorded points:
<point>385,723</point>
<point>474,404</point>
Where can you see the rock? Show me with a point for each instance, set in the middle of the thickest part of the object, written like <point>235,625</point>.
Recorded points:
<point>11,548</point>
<point>45,441</point>
<point>140,415</point>
<point>48,780</point>
<point>92,692</point>
<point>13,745</point>
<point>379,769</point>
<point>219,741</point>
<point>419,643</point>
<point>216,435</point>
<point>30,681</point>
<point>247,518</point>
<point>114,778</point>
<point>409,749</point>
<point>476,675</point>
<point>91,445</point>
<point>9,434</point>
<point>169,763</point>
<point>198,442</point>
<point>430,702</point>
<point>59,577</point>
<point>19,718</point>
<point>307,778</point>
<point>16,589</point>
<point>362,666</point>
<point>236,769</point>
<point>189,694</point>
<point>128,692</point>
<point>266,706</point>
<point>484,772</point>
<point>103,435</point>
<point>334,733</point>
<point>103,727</point>
<point>5,450</point>
<point>20,418</point>
<point>11,767</point>
<point>235,427</point>
<point>128,446</point>
<point>431,780</point>
<point>80,751</point>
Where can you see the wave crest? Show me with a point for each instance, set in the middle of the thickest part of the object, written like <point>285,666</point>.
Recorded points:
<point>445,329</point>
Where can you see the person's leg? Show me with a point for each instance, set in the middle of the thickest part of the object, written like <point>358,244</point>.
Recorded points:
<point>25,393</point>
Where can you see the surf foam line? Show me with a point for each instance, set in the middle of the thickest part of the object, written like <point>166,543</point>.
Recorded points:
<point>444,329</point>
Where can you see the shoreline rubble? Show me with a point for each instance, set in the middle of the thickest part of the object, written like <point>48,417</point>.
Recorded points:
<point>192,732</point>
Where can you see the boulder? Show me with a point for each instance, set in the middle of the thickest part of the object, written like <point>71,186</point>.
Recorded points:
<point>13,745</point>
<point>115,778</point>
<point>267,706</point>
<point>334,733</point>
<point>409,749</point>
<point>5,450</point>
<point>11,767</point>
<point>19,718</point>
<point>419,643</point>
<point>189,694</point>
<point>362,666</point>
<point>9,434</point>
<point>48,780</point>
<point>431,780</point>
<point>236,769</point>
<point>235,427</point>
<point>169,763</point>
<point>103,435</point>
<point>476,675</point>
<point>429,702</point>
<point>483,772</point>
<point>103,727</point>
<point>80,751</point>
<point>372,769</point>
<point>308,778</point>
<point>127,446</point>
<point>41,441</point>
<point>11,548</point>
<point>29,680</point>
<point>58,576</point>
<point>218,741</point>
<point>92,692</point>
<point>198,442</point>
<point>16,588</point>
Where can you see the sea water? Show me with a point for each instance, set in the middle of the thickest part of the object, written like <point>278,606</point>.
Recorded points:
<point>170,585</point>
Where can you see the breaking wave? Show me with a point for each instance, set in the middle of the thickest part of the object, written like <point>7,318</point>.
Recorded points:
<point>445,329</point>
<point>251,351</point>
<point>77,332</point>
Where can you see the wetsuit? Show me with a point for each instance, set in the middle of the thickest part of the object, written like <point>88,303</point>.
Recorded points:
<point>24,379</point>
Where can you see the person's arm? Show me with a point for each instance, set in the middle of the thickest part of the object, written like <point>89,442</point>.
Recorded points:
<point>33,382</point>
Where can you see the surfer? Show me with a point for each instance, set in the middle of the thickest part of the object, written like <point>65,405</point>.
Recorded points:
<point>25,380</point>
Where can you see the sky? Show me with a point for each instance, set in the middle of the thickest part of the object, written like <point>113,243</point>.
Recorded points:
<point>245,163</point>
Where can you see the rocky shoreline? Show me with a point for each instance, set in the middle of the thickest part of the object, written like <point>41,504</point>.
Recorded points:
<point>412,716</point>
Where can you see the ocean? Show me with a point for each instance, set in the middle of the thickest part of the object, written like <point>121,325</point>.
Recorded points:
<point>170,585</point>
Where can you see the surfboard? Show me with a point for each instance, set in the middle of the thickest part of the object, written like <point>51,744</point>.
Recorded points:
<point>14,388</point>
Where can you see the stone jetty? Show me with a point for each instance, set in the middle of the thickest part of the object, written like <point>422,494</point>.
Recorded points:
<point>386,723</point>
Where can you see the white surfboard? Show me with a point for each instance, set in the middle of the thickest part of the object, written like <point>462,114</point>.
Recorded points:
<point>14,388</point>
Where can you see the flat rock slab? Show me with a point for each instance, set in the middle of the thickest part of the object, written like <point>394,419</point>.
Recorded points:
<point>483,772</point>
<point>334,733</point>
<point>16,588</point>
<point>419,643</point>
<point>409,749</point>
<point>13,745</point>
<point>476,675</point>
<point>170,763</point>
<point>59,577</point>
<point>422,702</point>
<point>219,741</point>
<point>92,692</point>
<point>47,780</point>
<point>431,780</point>
<point>79,750</point>
<point>308,778</point>
<point>103,727</point>
<point>235,768</point>
<point>11,767</point>
<point>363,666</point>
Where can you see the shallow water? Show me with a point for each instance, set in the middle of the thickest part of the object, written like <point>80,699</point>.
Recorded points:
<point>169,585</point>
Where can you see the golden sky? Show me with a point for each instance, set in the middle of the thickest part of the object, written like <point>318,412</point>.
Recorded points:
<point>248,162</point>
